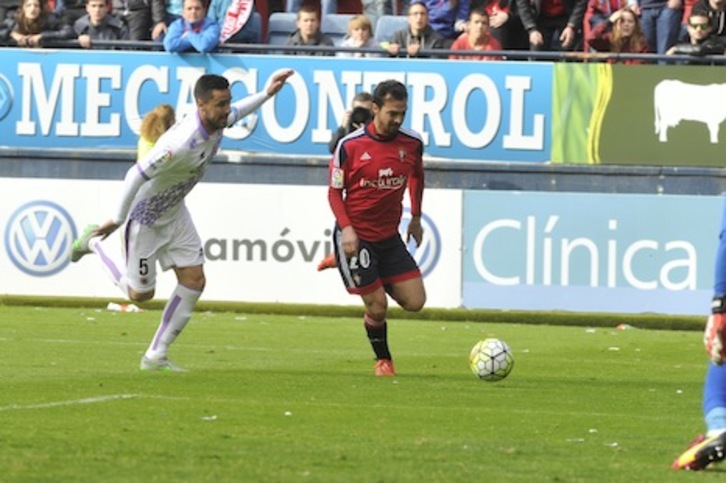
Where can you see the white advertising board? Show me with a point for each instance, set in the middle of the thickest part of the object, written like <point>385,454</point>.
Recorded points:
<point>262,242</point>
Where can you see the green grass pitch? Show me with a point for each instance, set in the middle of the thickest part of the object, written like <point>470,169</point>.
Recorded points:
<point>284,398</point>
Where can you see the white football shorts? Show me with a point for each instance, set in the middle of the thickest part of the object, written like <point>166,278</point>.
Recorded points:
<point>175,244</point>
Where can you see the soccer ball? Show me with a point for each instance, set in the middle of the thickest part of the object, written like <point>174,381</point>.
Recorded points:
<point>491,360</point>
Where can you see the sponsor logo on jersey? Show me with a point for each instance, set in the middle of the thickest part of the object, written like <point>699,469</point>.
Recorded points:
<point>336,178</point>
<point>38,238</point>
<point>365,156</point>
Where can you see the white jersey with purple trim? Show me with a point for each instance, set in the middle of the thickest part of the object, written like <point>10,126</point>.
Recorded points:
<point>155,187</point>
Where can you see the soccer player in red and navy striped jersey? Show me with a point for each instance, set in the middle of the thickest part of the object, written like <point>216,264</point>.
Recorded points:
<point>369,174</point>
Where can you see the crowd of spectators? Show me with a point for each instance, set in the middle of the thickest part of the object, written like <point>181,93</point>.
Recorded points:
<point>683,27</point>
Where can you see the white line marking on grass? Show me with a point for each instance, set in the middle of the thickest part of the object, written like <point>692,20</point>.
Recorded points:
<point>74,402</point>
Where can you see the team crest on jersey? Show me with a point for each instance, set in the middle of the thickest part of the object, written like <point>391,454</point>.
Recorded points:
<point>336,178</point>
<point>162,159</point>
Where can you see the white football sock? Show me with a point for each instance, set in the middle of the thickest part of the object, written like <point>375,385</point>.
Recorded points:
<point>177,312</point>
<point>110,265</point>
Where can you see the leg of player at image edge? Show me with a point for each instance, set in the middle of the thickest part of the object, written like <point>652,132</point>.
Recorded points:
<point>377,332</point>
<point>710,447</point>
<point>177,312</point>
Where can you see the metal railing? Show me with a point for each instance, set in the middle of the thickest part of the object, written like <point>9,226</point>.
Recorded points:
<point>521,55</point>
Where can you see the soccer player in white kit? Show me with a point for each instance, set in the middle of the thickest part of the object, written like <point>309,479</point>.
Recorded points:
<point>158,226</point>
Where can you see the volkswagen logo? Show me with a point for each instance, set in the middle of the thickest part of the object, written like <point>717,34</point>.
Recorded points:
<point>38,238</point>
<point>6,97</point>
<point>426,255</point>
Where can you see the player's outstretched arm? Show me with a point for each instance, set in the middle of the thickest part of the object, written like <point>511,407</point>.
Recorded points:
<point>251,103</point>
<point>278,81</point>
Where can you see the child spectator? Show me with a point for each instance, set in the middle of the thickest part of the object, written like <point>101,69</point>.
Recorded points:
<point>360,36</point>
<point>417,36</point>
<point>193,32</point>
<point>476,37</point>
<point>621,33</point>
<point>98,24</point>
<point>35,24</point>
<point>308,31</point>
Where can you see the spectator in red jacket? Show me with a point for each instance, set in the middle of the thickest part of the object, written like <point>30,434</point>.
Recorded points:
<point>476,36</point>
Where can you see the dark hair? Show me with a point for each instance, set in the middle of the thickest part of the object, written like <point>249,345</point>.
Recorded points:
<point>699,11</point>
<point>208,83</point>
<point>392,88</point>
<point>478,10</point>
<point>359,116</point>
<point>418,2</point>
<point>28,27</point>
<point>363,97</point>
<point>307,8</point>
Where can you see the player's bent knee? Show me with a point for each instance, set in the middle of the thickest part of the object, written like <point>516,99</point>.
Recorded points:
<point>414,304</point>
<point>140,296</point>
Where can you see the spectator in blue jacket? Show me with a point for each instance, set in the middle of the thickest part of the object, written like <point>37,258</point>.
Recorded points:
<point>447,17</point>
<point>193,32</point>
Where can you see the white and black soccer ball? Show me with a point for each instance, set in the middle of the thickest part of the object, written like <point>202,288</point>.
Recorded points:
<point>491,360</point>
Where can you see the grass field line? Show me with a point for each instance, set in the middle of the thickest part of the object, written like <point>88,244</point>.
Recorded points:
<point>72,402</point>
<point>188,345</point>
<point>298,405</point>
<point>93,400</point>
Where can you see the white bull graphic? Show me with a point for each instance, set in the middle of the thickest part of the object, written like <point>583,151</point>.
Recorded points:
<point>676,101</point>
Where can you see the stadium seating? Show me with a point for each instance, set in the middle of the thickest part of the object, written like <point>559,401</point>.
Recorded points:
<point>336,26</point>
<point>387,25</point>
<point>280,26</point>
<point>256,21</point>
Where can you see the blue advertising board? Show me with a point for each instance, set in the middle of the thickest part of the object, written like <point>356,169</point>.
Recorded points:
<point>495,111</point>
<point>589,252</point>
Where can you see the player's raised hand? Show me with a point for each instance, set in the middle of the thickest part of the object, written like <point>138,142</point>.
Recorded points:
<point>278,80</point>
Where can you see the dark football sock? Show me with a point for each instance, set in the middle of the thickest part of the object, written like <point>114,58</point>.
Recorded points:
<point>378,337</point>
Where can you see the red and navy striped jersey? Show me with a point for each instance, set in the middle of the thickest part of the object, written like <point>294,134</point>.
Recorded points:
<point>368,176</point>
